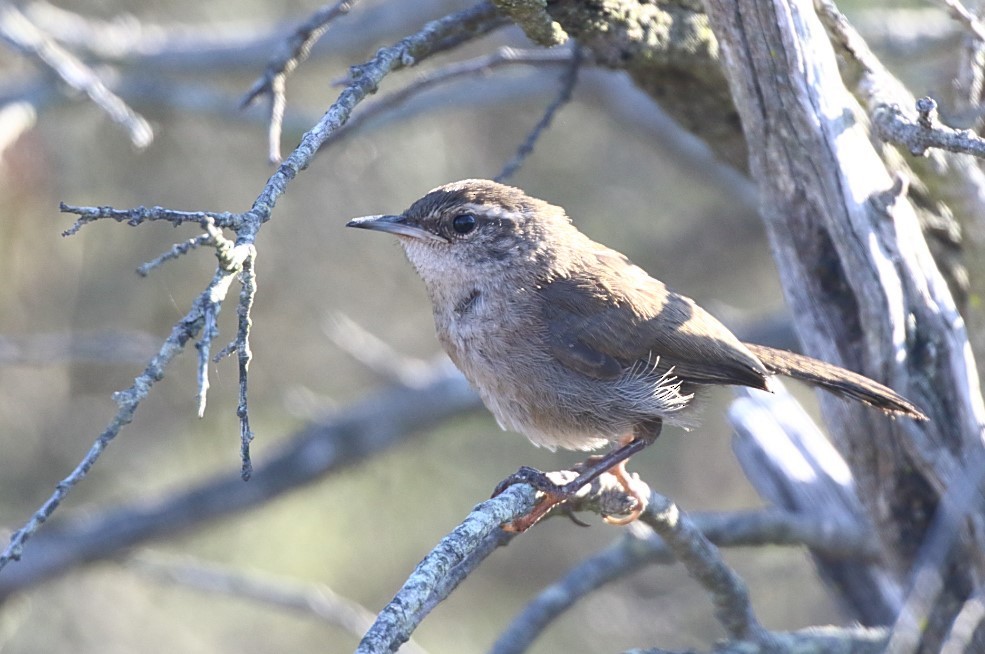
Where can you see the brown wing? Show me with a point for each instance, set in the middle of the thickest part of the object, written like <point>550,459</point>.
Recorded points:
<point>602,324</point>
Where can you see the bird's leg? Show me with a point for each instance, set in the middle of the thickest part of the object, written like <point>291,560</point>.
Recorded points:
<point>613,461</point>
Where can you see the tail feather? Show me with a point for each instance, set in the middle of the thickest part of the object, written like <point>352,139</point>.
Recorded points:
<point>836,380</point>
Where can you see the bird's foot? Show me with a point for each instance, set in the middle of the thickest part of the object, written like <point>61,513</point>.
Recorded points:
<point>553,494</point>
<point>635,489</point>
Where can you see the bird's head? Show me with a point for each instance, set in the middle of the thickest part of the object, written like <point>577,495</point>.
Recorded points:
<point>474,229</point>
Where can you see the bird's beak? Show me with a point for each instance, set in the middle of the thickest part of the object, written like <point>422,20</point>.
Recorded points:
<point>395,225</point>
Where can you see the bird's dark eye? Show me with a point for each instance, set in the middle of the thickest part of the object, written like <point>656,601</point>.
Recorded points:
<point>464,223</point>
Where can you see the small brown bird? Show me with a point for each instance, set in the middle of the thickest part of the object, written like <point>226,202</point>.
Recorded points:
<point>568,342</point>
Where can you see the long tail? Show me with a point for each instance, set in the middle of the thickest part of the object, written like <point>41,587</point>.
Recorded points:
<point>836,380</point>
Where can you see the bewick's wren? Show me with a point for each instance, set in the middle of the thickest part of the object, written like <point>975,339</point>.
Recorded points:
<point>568,342</point>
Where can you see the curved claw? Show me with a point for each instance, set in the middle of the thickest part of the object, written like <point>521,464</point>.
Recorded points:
<point>632,487</point>
<point>527,475</point>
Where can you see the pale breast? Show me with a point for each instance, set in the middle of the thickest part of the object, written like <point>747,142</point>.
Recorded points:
<point>506,359</point>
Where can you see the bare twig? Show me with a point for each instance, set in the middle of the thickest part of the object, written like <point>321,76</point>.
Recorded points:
<point>364,80</point>
<point>295,50</point>
<point>925,132</point>
<point>504,56</point>
<point>177,250</point>
<point>21,33</point>
<point>958,179</point>
<point>567,86</point>
<point>128,401</point>
<point>316,600</point>
<point>467,546</point>
<point>138,215</point>
<point>244,356</point>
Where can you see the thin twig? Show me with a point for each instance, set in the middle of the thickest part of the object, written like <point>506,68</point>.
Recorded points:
<point>177,250</point>
<point>21,33</point>
<point>138,215</point>
<point>295,50</point>
<point>128,400</point>
<point>247,294</point>
<point>925,132</point>
<point>504,56</point>
<point>231,258</point>
<point>567,85</point>
<point>316,600</point>
<point>364,81</point>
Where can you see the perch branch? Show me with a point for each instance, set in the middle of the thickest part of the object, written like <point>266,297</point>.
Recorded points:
<point>469,544</point>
